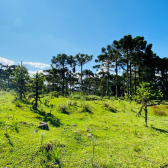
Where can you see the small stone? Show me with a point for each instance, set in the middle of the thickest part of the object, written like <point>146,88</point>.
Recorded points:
<point>90,135</point>
<point>10,109</point>
<point>23,122</point>
<point>75,125</point>
<point>88,130</point>
<point>43,125</point>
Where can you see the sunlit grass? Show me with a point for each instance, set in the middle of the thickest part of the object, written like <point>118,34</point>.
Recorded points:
<point>94,137</point>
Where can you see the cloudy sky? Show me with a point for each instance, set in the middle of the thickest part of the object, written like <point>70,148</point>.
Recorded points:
<point>33,31</point>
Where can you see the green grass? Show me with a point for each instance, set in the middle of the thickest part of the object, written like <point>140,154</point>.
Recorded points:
<point>99,133</point>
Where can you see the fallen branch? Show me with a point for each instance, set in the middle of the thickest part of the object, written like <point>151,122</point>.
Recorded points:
<point>146,159</point>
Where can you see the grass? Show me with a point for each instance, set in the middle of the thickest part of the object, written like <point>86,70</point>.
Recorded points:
<point>101,135</point>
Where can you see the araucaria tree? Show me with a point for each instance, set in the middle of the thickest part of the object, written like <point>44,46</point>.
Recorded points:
<point>61,62</point>
<point>81,60</point>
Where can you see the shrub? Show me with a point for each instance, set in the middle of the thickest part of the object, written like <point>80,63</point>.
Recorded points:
<point>55,94</point>
<point>62,108</point>
<point>85,107</point>
<point>18,103</point>
<point>92,97</point>
<point>46,101</point>
<point>108,107</point>
<point>50,152</point>
<point>69,103</point>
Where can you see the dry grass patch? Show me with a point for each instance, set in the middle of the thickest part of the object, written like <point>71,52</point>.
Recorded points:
<point>160,110</point>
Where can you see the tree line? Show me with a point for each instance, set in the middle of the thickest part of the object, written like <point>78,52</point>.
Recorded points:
<point>133,56</point>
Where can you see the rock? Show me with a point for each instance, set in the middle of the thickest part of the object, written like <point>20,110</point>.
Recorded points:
<point>88,130</point>
<point>90,135</point>
<point>23,122</point>
<point>166,165</point>
<point>75,125</point>
<point>43,125</point>
<point>10,109</point>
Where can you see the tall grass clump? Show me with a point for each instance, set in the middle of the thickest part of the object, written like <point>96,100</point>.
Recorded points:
<point>63,108</point>
<point>50,155</point>
<point>85,107</point>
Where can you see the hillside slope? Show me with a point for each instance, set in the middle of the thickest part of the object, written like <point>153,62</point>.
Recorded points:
<point>100,133</point>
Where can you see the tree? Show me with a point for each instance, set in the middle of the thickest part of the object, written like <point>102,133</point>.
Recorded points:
<point>106,60</point>
<point>72,64</point>
<point>144,95</point>
<point>37,86</point>
<point>81,60</point>
<point>61,62</point>
<point>20,80</point>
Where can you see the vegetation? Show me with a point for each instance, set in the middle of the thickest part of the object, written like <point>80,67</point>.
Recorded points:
<point>91,123</point>
<point>98,133</point>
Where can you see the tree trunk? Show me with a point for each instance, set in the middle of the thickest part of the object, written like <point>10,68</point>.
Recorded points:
<point>36,98</point>
<point>146,113</point>
<point>108,79</point>
<point>81,78</point>
<point>116,77</point>
<point>63,81</point>
<point>135,81</point>
<point>127,76</point>
<point>130,80</point>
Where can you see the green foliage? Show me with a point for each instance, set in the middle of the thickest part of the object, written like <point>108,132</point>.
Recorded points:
<point>20,80</point>
<point>37,87</point>
<point>146,93</point>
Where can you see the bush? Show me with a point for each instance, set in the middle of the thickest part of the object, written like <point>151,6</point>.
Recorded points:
<point>46,101</point>
<point>55,94</point>
<point>8,90</point>
<point>85,107</point>
<point>76,96</point>
<point>62,108</point>
<point>18,103</point>
<point>92,97</point>
<point>108,107</point>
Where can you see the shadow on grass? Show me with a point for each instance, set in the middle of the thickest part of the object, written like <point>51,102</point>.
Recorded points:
<point>87,111</point>
<point>160,130</point>
<point>47,117</point>
<point>8,137</point>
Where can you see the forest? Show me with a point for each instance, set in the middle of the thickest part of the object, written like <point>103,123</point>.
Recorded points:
<point>116,117</point>
<point>132,56</point>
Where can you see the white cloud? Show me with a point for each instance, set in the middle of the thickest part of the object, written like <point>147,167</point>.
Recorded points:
<point>5,61</point>
<point>34,72</point>
<point>37,64</point>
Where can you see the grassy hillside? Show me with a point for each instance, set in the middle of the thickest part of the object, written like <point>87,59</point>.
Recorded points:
<point>100,133</point>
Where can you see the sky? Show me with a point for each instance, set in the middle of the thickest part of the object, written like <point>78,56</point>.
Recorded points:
<point>33,31</point>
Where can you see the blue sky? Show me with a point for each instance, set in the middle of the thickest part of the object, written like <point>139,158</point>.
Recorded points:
<point>35,30</point>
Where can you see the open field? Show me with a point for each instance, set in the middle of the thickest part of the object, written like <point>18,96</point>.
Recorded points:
<point>100,133</point>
